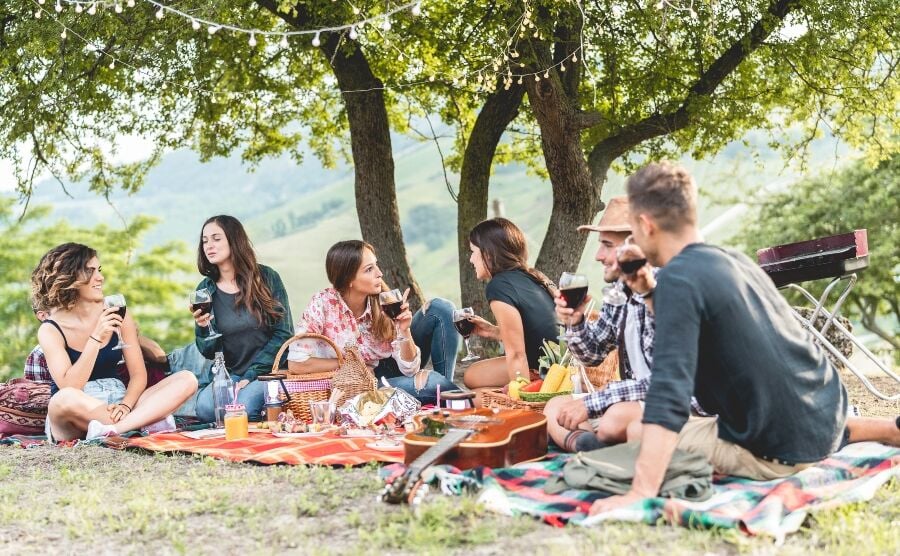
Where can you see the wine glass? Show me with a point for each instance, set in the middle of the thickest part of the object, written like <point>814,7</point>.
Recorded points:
<point>629,256</point>
<point>392,305</point>
<point>117,301</point>
<point>202,300</point>
<point>573,288</point>
<point>465,327</point>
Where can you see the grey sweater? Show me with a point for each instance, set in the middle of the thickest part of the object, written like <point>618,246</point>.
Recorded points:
<point>725,334</point>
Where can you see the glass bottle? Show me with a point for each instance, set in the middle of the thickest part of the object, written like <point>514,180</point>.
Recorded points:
<point>223,388</point>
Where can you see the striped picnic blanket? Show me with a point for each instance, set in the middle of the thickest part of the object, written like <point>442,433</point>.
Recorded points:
<point>774,508</point>
<point>265,448</point>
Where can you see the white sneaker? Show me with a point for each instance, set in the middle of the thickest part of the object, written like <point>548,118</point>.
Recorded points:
<point>96,429</point>
<point>163,425</point>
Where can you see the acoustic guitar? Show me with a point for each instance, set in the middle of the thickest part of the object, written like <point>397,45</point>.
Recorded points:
<point>467,439</point>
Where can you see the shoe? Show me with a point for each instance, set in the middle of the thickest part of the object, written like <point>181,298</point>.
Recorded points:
<point>96,429</point>
<point>163,425</point>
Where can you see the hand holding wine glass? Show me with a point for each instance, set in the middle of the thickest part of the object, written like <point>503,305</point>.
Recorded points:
<point>636,273</point>
<point>573,289</point>
<point>392,302</point>
<point>117,302</point>
<point>464,325</point>
<point>201,307</point>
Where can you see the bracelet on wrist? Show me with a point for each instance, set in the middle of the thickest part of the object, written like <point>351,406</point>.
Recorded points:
<point>126,405</point>
<point>95,339</point>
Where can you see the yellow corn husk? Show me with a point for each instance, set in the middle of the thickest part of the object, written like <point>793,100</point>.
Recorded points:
<point>554,378</point>
<point>566,385</point>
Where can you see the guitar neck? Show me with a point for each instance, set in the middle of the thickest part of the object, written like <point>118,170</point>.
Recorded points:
<point>447,442</point>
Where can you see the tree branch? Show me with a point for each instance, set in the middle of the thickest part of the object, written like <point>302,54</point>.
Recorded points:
<point>663,124</point>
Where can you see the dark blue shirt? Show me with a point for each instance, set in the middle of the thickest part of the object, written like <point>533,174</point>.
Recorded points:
<point>105,366</point>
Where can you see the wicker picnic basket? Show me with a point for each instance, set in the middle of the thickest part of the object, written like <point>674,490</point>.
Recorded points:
<point>352,376</point>
<point>598,377</point>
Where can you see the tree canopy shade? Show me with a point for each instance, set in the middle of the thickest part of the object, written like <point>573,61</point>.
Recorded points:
<point>861,196</point>
<point>584,86</point>
<point>154,281</point>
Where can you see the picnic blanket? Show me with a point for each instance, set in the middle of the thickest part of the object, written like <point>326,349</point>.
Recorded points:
<point>774,508</point>
<point>268,449</point>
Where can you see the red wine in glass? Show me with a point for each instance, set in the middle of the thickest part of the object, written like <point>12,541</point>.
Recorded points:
<point>121,311</point>
<point>117,302</point>
<point>574,296</point>
<point>630,267</point>
<point>205,307</point>
<point>392,310</point>
<point>464,327</point>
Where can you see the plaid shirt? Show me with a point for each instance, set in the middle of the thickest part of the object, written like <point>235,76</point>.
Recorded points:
<point>36,366</point>
<point>625,391</point>
<point>592,342</point>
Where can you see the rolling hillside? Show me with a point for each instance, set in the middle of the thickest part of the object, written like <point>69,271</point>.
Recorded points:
<point>294,213</point>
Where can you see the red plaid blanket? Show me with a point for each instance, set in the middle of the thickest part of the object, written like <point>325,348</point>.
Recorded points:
<point>265,448</point>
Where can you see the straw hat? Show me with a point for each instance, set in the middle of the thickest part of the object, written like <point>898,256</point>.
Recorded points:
<point>614,218</point>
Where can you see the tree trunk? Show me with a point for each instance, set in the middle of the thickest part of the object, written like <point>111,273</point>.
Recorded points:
<point>373,163</point>
<point>575,198</point>
<point>869,315</point>
<point>500,108</point>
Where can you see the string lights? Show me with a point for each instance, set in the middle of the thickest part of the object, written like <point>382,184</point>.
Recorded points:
<point>483,78</point>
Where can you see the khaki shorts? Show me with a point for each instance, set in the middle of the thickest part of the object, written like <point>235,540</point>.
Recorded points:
<point>701,435</point>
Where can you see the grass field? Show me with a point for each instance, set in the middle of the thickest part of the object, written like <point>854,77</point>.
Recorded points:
<point>93,500</point>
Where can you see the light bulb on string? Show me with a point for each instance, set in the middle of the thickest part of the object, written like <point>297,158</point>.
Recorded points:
<point>353,33</point>
<point>195,24</point>
<point>78,8</point>
<point>160,13</point>
<point>355,10</point>
<point>562,67</point>
<point>386,26</point>
<point>416,10</point>
<point>520,80</point>
<point>547,74</point>
<point>537,77</point>
<point>93,9</point>
<point>58,7</point>
<point>316,41</point>
<point>252,41</point>
<point>130,3</point>
<point>64,34</point>
<point>41,2</point>
<point>37,13</point>
<point>574,57</point>
<point>212,29</point>
<point>112,64</point>
<point>284,41</point>
<point>118,8</point>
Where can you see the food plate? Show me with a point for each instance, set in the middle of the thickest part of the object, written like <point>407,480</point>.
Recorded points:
<point>383,446</point>
<point>300,434</point>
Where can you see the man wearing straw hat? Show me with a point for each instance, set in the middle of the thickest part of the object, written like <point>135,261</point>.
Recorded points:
<point>602,418</point>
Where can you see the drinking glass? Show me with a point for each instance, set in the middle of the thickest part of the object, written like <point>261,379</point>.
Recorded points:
<point>117,301</point>
<point>573,288</point>
<point>323,412</point>
<point>629,256</point>
<point>202,299</point>
<point>465,327</point>
<point>392,305</point>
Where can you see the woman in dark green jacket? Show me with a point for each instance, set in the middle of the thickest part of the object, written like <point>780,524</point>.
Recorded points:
<point>251,311</point>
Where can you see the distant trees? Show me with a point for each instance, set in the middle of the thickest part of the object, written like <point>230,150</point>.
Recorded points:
<point>294,222</point>
<point>154,282</point>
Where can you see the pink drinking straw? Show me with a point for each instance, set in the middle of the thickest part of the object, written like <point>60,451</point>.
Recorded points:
<point>438,399</point>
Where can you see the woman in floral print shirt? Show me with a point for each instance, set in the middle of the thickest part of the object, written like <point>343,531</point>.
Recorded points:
<point>349,312</point>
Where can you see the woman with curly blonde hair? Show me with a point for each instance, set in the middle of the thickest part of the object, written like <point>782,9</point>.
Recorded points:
<point>88,399</point>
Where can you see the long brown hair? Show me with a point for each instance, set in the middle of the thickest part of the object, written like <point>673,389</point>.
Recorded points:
<point>253,292</point>
<point>503,248</point>
<point>342,263</point>
<point>59,274</point>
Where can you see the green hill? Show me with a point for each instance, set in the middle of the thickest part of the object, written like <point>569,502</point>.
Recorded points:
<point>295,212</point>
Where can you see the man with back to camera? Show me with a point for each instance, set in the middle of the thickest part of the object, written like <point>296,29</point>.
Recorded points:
<point>726,335</point>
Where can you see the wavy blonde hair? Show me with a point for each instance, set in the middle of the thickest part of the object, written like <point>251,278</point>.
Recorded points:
<point>59,274</point>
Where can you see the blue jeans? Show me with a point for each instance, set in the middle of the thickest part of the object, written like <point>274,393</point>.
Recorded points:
<point>436,336</point>
<point>252,396</point>
<point>428,393</point>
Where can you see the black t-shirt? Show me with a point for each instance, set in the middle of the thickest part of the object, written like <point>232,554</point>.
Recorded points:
<point>726,335</point>
<point>535,306</point>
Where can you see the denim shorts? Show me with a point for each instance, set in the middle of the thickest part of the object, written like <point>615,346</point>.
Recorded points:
<point>106,390</point>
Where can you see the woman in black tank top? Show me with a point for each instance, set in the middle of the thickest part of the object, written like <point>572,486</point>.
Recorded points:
<point>78,341</point>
